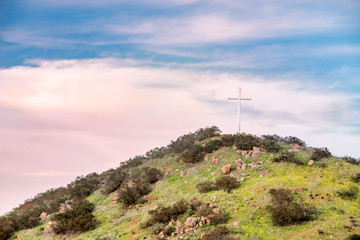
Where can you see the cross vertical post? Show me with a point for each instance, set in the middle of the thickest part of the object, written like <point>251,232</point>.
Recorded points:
<point>239,99</point>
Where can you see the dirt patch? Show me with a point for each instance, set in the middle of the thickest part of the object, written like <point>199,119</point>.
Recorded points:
<point>132,223</point>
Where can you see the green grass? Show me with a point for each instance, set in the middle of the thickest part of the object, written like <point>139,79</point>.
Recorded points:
<point>252,219</point>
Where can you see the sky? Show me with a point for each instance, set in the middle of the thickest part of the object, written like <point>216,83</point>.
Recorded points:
<point>87,84</point>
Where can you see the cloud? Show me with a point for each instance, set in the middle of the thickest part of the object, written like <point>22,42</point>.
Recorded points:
<point>69,117</point>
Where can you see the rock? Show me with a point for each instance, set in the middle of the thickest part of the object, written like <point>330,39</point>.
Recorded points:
<point>212,173</point>
<point>238,152</point>
<point>243,167</point>
<point>311,162</point>
<point>190,222</point>
<point>204,221</point>
<point>215,161</point>
<point>162,235</point>
<point>213,198</point>
<point>239,163</point>
<point>182,173</point>
<point>114,201</point>
<point>260,162</point>
<point>256,149</point>
<point>166,174</point>
<point>43,215</point>
<point>242,179</point>
<point>226,169</point>
<point>206,158</point>
<point>236,223</point>
<point>216,138</point>
<point>223,199</point>
<point>243,153</point>
<point>235,209</point>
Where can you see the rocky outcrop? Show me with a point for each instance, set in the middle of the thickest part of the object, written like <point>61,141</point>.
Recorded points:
<point>226,169</point>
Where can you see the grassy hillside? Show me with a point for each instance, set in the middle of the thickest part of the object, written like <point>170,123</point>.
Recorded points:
<point>323,186</point>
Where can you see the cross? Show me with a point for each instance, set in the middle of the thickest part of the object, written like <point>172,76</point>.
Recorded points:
<point>239,106</point>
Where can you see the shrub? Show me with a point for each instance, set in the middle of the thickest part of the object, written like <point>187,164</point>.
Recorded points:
<point>131,194</point>
<point>218,233</point>
<point>320,153</point>
<point>270,145</point>
<point>356,178</point>
<point>157,152</point>
<point>194,154</point>
<point>182,143</point>
<point>169,230</point>
<point>228,140</point>
<point>6,228</point>
<point>285,212</point>
<point>226,183</point>
<point>294,140</point>
<point>212,146</point>
<point>288,157</point>
<point>151,175</point>
<point>165,214</point>
<point>84,186</point>
<point>115,180</point>
<point>247,142</point>
<point>349,194</point>
<point>206,186</point>
<point>157,228</point>
<point>351,160</point>
<point>78,219</point>
<point>354,237</point>
<point>208,132</point>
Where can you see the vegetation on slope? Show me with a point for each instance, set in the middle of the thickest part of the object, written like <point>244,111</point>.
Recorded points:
<point>281,195</point>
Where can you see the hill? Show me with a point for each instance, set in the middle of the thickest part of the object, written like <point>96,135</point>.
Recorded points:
<point>204,186</point>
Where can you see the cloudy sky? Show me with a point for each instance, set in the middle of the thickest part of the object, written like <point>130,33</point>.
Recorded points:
<point>87,84</point>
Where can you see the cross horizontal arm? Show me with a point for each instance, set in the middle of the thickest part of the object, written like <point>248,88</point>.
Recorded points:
<point>240,99</point>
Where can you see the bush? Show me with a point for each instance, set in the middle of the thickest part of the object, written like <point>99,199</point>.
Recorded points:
<point>157,228</point>
<point>285,212</point>
<point>228,140</point>
<point>131,194</point>
<point>84,186</point>
<point>356,178</point>
<point>76,220</point>
<point>206,186</point>
<point>354,237</point>
<point>219,233</point>
<point>194,154</point>
<point>349,194</point>
<point>247,142</point>
<point>320,153</point>
<point>208,132</point>
<point>6,228</point>
<point>151,175</point>
<point>351,160</point>
<point>157,153</point>
<point>169,230</point>
<point>165,214</point>
<point>294,140</point>
<point>288,157</point>
<point>270,145</point>
<point>114,180</point>
<point>212,146</point>
<point>226,183</point>
<point>182,143</point>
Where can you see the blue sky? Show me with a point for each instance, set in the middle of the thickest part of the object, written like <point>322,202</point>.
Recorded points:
<point>87,84</point>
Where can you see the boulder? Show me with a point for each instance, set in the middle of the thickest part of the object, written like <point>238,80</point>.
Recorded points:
<point>213,198</point>
<point>216,138</point>
<point>256,149</point>
<point>215,161</point>
<point>243,167</point>
<point>311,162</point>
<point>226,169</point>
<point>182,173</point>
<point>190,222</point>
<point>43,215</point>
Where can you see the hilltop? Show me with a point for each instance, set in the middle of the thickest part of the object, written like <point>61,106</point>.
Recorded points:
<point>204,185</point>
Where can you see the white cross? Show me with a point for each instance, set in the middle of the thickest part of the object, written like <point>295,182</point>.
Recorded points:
<point>239,106</point>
